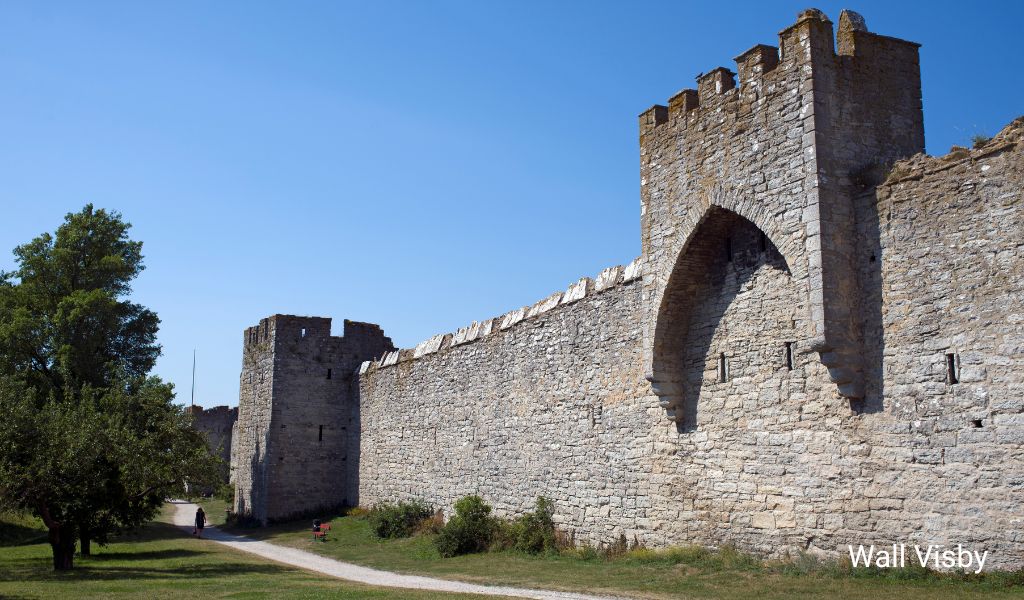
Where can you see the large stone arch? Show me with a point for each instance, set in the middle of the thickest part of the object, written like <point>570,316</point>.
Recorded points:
<point>723,256</point>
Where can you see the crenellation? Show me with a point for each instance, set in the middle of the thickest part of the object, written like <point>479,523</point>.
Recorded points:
<point>755,63</point>
<point>712,84</point>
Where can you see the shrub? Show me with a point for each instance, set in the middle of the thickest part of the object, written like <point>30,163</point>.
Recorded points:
<point>471,528</point>
<point>242,521</point>
<point>226,492</point>
<point>431,525</point>
<point>398,520</point>
<point>534,532</point>
<point>357,511</point>
<point>980,139</point>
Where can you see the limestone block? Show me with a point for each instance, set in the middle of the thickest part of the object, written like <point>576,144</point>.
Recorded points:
<point>607,278</point>
<point>511,318</point>
<point>577,291</point>
<point>462,335</point>
<point>633,270</point>
<point>429,346</point>
<point>389,359</point>
<point>763,521</point>
<point>545,305</point>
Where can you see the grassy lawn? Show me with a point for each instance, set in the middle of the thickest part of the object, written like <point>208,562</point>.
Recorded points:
<point>691,574</point>
<point>162,562</point>
<point>214,508</point>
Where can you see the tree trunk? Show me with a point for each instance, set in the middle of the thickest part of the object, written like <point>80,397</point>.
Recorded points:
<point>85,538</point>
<point>62,540</point>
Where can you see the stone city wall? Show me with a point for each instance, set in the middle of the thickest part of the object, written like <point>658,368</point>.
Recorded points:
<point>775,460</point>
<point>820,345</point>
<point>540,401</point>
<point>217,423</point>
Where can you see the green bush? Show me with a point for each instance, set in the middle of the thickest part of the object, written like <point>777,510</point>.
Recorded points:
<point>226,492</point>
<point>398,520</point>
<point>242,521</point>
<point>471,528</point>
<point>534,532</point>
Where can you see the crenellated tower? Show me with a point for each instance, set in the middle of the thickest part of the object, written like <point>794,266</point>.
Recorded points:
<point>296,444</point>
<point>779,153</point>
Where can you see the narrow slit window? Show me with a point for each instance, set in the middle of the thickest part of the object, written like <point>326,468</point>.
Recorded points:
<point>728,249</point>
<point>320,436</point>
<point>723,368</point>
<point>328,373</point>
<point>303,332</point>
<point>951,369</point>
<point>976,423</point>
<point>789,356</point>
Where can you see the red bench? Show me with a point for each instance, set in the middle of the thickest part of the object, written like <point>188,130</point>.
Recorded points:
<point>322,534</point>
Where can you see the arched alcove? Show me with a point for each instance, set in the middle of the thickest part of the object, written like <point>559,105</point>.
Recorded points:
<point>728,318</point>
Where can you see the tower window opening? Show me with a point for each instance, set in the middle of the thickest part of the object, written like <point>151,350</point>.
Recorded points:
<point>723,368</point>
<point>789,356</point>
<point>951,369</point>
<point>303,332</point>
<point>328,373</point>
<point>728,249</point>
<point>764,243</point>
<point>320,436</point>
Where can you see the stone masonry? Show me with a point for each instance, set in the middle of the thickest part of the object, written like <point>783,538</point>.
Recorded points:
<point>821,344</point>
<point>217,424</point>
<point>296,443</point>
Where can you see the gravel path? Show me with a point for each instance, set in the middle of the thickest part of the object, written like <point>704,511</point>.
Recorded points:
<point>185,514</point>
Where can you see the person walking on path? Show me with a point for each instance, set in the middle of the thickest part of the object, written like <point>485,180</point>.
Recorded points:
<point>200,522</point>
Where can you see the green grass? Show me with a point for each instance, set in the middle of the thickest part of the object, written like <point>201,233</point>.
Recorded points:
<point>163,562</point>
<point>678,573</point>
<point>18,527</point>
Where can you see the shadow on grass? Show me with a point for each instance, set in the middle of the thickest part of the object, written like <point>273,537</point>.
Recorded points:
<point>19,535</point>
<point>149,555</point>
<point>191,572</point>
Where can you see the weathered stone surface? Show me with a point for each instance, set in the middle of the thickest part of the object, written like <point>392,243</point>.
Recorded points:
<point>577,291</point>
<point>513,317</point>
<point>607,278</point>
<point>429,347</point>
<point>217,424</point>
<point>296,441</point>
<point>544,305</point>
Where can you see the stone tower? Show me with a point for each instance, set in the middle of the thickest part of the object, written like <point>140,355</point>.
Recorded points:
<point>296,446</point>
<point>770,166</point>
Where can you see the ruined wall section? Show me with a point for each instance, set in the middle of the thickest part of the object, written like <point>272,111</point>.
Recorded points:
<point>944,460</point>
<point>217,424</point>
<point>544,400</point>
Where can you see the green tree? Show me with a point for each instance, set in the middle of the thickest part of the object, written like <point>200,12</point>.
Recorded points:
<point>95,444</point>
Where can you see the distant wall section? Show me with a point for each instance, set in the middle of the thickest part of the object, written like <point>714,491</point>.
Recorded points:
<point>217,424</point>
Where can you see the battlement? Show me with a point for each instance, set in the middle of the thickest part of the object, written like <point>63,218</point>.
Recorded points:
<point>807,43</point>
<point>198,411</point>
<point>584,287</point>
<point>293,328</point>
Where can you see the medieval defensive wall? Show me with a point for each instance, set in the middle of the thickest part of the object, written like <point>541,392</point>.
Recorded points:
<point>821,344</point>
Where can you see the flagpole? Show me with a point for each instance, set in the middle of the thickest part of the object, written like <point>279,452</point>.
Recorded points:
<point>193,377</point>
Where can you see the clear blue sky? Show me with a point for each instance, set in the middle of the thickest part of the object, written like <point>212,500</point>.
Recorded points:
<point>418,165</point>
